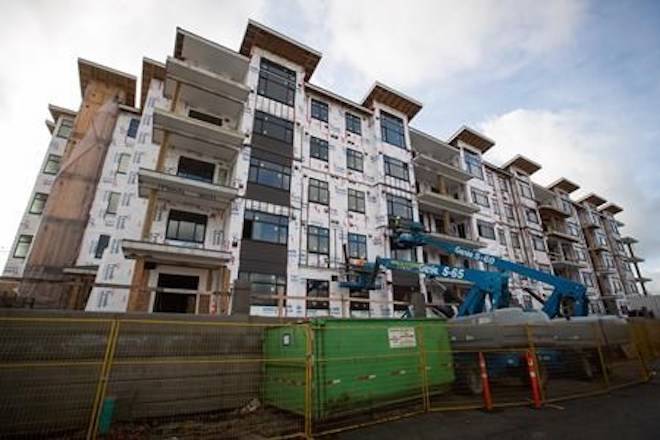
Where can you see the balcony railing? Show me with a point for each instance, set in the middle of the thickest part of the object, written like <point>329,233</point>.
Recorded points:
<point>554,206</point>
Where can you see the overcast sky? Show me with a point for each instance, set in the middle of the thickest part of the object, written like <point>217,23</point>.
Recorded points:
<point>573,85</point>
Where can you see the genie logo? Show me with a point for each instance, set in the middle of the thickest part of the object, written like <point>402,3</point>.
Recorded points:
<point>474,255</point>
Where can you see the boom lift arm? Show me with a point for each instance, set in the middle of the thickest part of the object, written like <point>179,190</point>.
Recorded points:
<point>565,291</point>
<point>485,284</point>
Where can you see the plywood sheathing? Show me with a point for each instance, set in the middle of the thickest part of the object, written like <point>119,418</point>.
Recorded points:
<point>57,241</point>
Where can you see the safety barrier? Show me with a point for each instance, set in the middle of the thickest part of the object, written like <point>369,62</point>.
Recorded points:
<point>123,376</point>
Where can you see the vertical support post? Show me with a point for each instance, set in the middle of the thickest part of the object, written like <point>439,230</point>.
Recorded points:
<point>488,398</point>
<point>601,356</point>
<point>635,345</point>
<point>309,375</point>
<point>102,383</point>
<point>426,397</point>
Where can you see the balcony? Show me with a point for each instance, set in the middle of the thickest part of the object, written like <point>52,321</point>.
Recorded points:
<point>174,254</point>
<point>195,135</point>
<point>561,261</point>
<point>553,207</point>
<point>604,269</point>
<point>560,232</point>
<point>465,242</point>
<point>634,259</point>
<point>590,220</point>
<point>436,203</point>
<point>183,190</point>
<point>428,167</point>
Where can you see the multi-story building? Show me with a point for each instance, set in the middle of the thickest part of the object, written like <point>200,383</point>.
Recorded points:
<point>239,184</point>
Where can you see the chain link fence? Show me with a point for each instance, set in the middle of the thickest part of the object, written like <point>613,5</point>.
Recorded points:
<point>78,375</point>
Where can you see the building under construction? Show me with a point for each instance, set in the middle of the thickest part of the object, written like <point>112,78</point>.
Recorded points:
<point>235,179</point>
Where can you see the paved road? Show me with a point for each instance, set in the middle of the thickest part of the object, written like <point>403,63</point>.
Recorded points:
<point>627,414</point>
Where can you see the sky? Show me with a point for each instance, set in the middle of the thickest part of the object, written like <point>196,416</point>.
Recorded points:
<point>572,84</point>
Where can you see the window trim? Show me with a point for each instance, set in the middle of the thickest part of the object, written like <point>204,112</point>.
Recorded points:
<point>280,221</point>
<point>354,155</point>
<point>133,127</point>
<point>321,235</point>
<point>391,163</point>
<point>52,158</point>
<point>387,125</point>
<point>176,238</point>
<point>320,145</point>
<point>491,226</point>
<point>391,200</point>
<point>264,118</point>
<point>319,105</point>
<point>350,127</point>
<point>285,78</point>
<point>359,196</point>
<point>358,240</point>
<point>109,204</point>
<point>34,198</point>
<point>476,194</point>
<point>315,304</point>
<point>258,165</point>
<point>20,242</point>
<point>321,187</point>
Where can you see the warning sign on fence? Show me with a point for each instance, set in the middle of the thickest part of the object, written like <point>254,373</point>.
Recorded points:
<point>401,337</point>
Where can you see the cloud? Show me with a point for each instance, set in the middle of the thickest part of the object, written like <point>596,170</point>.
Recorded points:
<point>599,157</point>
<point>408,44</point>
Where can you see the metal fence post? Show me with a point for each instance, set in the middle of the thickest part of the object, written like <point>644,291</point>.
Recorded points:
<point>309,375</point>
<point>426,398</point>
<point>635,344</point>
<point>601,356</point>
<point>102,383</point>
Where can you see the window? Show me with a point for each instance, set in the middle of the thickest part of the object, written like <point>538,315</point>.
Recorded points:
<point>195,169</point>
<point>264,287</point>
<point>357,246</point>
<point>277,82</point>
<point>531,215</point>
<point>486,230</point>
<point>399,207</point>
<point>356,201</point>
<point>504,187</point>
<point>508,209</point>
<point>273,127</point>
<point>353,124</point>
<point>318,289</point>
<point>496,206</point>
<point>113,203</point>
<point>580,255</point>
<point>480,198</point>
<point>205,117</point>
<point>133,128</point>
<point>391,130</point>
<point>103,242</point>
<point>318,148</point>
<point>526,190</point>
<point>318,192</point>
<point>354,160</point>
<point>398,253</point>
<point>318,240</point>
<point>396,168</point>
<point>538,243</point>
<point>176,302</point>
<point>38,203</point>
<point>573,229</point>
<point>567,206</point>
<point>123,162</point>
<point>269,174</point>
<point>186,226</point>
<point>52,164</point>
<point>473,164</point>
<point>261,226</point>
<point>515,240</point>
<point>502,236</point>
<point>22,246</point>
<point>66,126</point>
<point>319,110</point>
<point>489,178</point>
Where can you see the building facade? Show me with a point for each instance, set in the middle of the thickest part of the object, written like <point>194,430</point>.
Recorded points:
<point>239,185</point>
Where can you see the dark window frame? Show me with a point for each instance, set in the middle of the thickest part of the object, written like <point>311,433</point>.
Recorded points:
<point>186,169</point>
<point>43,198</point>
<point>208,118</point>
<point>478,195</point>
<point>318,289</point>
<point>319,110</point>
<point>133,126</point>
<point>110,209</point>
<point>279,225</point>
<point>353,158</point>
<point>24,242</point>
<point>67,126</point>
<point>319,148</point>
<point>359,201</point>
<point>353,124</point>
<point>185,217</point>
<point>101,245</point>
<point>395,203</point>
<point>357,246</point>
<point>265,281</point>
<point>318,241</point>
<point>318,191</point>
<point>277,82</point>
<point>264,123</point>
<point>393,166</point>
<point>260,166</point>
<point>52,159</point>
<point>483,227</point>
<point>392,130</point>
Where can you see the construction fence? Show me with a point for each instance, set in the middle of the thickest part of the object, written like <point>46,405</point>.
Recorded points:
<point>81,375</point>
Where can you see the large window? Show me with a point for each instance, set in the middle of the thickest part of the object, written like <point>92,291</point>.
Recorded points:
<point>22,246</point>
<point>38,203</point>
<point>318,191</point>
<point>264,287</point>
<point>273,127</point>
<point>502,183</point>
<point>399,207</point>
<point>396,168</point>
<point>186,226</point>
<point>195,169</point>
<point>356,201</point>
<point>277,82</point>
<point>269,174</point>
<point>473,164</point>
<point>205,117</point>
<point>261,226</point>
<point>587,279</point>
<point>319,110</point>
<point>501,234</point>
<point>113,203</point>
<point>538,243</point>
<point>52,164</point>
<point>515,240</point>
<point>526,190</point>
<point>532,216</point>
<point>318,241</point>
<point>123,163</point>
<point>392,130</point>
<point>486,230</point>
<point>357,246</point>
<point>508,210</point>
<point>480,198</point>
<point>101,245</point>
<point>318,148</point>
<point>353,124</point>
<point>133,128</point>
<point>573,229</point>
<point>66,126</point>
<point>354,160</point>
<point>318,289</point>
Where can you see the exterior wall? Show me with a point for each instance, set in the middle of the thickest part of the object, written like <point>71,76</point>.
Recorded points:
<point>30,222</point>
